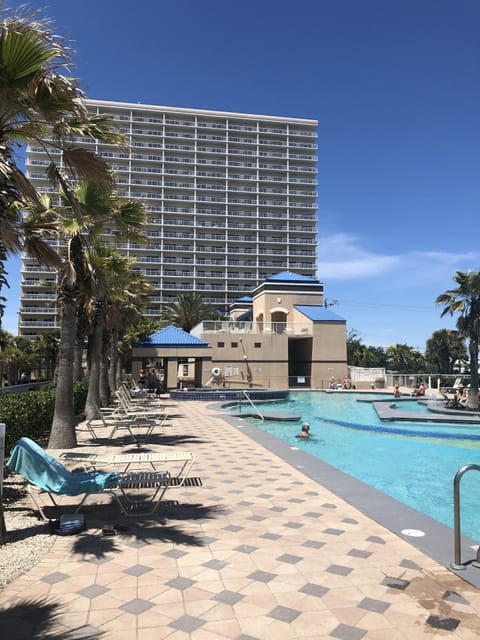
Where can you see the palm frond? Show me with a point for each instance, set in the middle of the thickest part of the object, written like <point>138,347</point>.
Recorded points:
<point>23,51</point>
<point>42,252</point>
<point>87,165</point>
<point>24,185</point>
<point>98,127</point>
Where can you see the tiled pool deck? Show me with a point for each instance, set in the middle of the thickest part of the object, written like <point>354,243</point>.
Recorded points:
<point>261,552</point>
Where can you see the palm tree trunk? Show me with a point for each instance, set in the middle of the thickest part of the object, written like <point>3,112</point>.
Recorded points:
<point>105,389</point>
<point>115,368</point>
<point>473,391</point>
<point>62,435</point>
<point>3,527</point>
<point>93,401</point>
<point>78,362</point>
<point>118,373</point>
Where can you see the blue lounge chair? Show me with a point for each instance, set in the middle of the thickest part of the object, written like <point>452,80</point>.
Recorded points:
<point>46,473</point>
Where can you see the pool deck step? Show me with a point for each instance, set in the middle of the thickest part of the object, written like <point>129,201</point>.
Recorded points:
<point>390,411</point>
<point>267,415</point>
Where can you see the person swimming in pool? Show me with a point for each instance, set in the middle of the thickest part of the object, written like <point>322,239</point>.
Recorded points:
<point>305,431</point>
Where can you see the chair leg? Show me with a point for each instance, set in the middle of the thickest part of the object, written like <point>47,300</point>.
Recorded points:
<point>126,503</point>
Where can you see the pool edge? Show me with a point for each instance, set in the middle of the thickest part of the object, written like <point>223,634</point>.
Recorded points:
<point>438,542</point>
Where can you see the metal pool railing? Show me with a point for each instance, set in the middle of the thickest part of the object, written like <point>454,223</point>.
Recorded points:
<point>457,564</point>
<point>253,405</point>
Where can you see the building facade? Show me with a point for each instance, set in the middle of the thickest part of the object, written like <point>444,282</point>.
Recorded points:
<point>281,337</point>
<point>231,200</point>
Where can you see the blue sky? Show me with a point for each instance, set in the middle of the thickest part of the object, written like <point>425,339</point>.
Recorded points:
<point>394,85</point>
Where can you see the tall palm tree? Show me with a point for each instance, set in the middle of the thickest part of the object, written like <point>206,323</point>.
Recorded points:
<point>124,291</point>
<point>465,301</point>
<point>87,209</point>
<point>130,297</point>
<point>40,106</point>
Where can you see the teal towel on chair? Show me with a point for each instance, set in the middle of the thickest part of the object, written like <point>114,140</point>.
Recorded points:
<point>37,466</point>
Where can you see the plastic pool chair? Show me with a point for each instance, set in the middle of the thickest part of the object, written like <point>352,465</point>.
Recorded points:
<point>45,474</point>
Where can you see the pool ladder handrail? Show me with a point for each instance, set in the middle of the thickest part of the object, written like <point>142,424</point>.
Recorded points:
<point>457,564</point>
<point>252,403</point>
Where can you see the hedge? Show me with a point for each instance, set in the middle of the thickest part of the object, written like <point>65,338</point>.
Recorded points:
<point>30,413</point>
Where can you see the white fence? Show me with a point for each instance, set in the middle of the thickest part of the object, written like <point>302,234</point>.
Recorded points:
<point>365,374</point>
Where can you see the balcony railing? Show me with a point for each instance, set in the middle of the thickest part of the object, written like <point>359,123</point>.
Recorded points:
<point>262,328</point>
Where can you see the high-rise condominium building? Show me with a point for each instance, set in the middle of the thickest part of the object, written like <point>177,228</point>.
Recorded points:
<point>231,200</point>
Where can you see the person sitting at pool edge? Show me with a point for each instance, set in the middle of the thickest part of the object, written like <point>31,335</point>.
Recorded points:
<point>305,432</point>
<point>396,391</point>
<point>419,390</point>
<point>462,397</point>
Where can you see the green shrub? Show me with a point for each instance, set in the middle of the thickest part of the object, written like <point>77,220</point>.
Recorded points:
<point>30,413</point>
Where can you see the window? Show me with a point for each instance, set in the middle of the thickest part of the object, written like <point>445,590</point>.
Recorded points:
<point>257,345</point>
<point>234,345</point>
<point>220,345</point>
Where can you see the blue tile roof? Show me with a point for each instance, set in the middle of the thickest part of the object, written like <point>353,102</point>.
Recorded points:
<point>318,313</point>
<point>289,276</point>
<point>171,337</point>
<point>244,299</point>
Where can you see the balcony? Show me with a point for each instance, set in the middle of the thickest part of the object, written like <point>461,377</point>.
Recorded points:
<point>37,324</point>
<point>266,328</point>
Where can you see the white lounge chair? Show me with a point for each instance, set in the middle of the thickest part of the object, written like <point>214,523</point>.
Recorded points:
<point>45,474</point>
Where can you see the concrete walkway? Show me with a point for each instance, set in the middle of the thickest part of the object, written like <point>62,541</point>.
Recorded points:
<point>260,552</point>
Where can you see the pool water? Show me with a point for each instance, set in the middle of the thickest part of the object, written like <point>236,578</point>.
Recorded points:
<point>412,462</point>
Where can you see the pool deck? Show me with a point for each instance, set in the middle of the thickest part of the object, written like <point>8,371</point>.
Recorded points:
<point>438,413</point>
<point>274,546</point>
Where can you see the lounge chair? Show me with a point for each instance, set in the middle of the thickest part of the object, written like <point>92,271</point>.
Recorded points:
<point>117,423</point>
<point>183,460</point>
<point>456,385</point>
<point>46,474</point>
<point>452,403</point>
<point>129,408</point>
<point>120,420</point>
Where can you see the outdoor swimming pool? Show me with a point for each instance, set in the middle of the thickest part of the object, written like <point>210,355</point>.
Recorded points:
<point>390,456</point>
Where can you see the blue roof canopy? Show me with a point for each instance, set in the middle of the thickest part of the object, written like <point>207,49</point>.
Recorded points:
<point>289,276</point>
<point>171,336</point>
<point>318,313</point>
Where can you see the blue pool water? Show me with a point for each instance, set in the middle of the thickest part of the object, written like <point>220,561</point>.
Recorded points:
<point>413,462</point>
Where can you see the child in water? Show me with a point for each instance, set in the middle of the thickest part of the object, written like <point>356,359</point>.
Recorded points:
<point>305,432</point>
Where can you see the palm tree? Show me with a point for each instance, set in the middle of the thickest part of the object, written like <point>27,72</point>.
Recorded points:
<point>131,296</point>
<point>40,106</point>
<point>443,349</point>
<point>465,301</point>
<point>362,355</point>
<point>186,312</point>
<point>124,336</point>
<point>87,209</point>
<point>405,359</point>
<point>46,346</point>
<point>121,291</point>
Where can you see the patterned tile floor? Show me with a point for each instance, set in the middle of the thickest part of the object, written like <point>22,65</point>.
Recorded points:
<point>260,552</point>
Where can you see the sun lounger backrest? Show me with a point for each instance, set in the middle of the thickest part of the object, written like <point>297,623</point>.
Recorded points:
<point>38,467</point>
